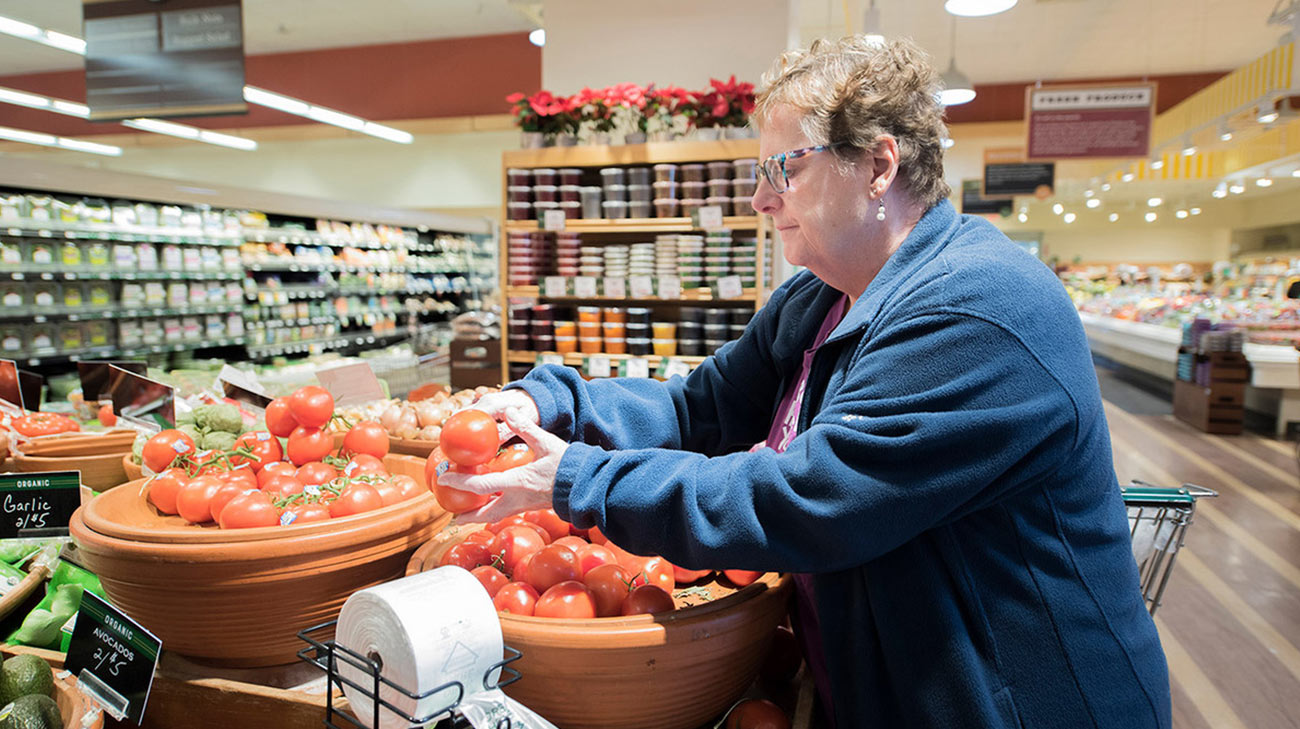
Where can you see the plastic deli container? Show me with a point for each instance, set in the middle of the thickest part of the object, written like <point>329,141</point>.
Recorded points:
<point>665,190</point>
<point>545,193</point>
<point>614,330</point>
<point>638,175</point>
<point>638,315</point>
<point>614,209</point>
<point>614,314</point>
<point>692,173</point>
<point>722,202</point>
<point>519,211</point>
<point>590,345</point>
<point>743,188</point>
<point>716,331</point>
<point>694,189</point>
<point>745,168</point>
<point>638,331</point>
<point>711,346</point>
<point>638,346</point>
<point>589,314</point>
<point>714,316</point>
<point>589,330</point>
<point>520,342</point>
<point>519,193</point>
<point>690,347</point>
<point>565,329</point>
<point>667,207</point>
<point>570,175</point>
<point>734,331</point>
<point>690,205</point>
<point>665,173</point>
<point>638,193</point>
<point>721,170</point>
<point>743,206</point>
<point>664,347</point>
<point>544,176</point>
<point>615,192</point>
<point>640,209</point>
<point>719,188</point>
<point>613,176</point>
<point>690,330</point>
<point>591,198</point>
<point>572,210</point>
<point>570,193</point>
<point>664,330</point>
<point>541,329</point>
<point>615,346</point>
<point>565,345</point>
<point>543,312</point>
<point>520,177</point>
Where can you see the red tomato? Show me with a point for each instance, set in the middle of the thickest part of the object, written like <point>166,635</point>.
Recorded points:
<point>356,499</point>
<point>311,406</point>
<point>193,499</point>
<point>283,485</point>
<point>513,542</point>
<point>740,578</point>
<point>783,658</point>
<point>491,578</point>
<point>648,599</point>
<point>470,438</point>
<point>457,501</point>
<point>683,576</point>
<point>164,487</point>
<point>551,566</point>
<point>467,555</point>
<point>757,714</point>
<point>566,600</point>
<point>653,571</point>
<point>522,568</point>
<point>265,447</point>
<point>407,486</point>
<point>573,544</point>
<point>387,491</point>
<point>367,437</point>
<point>279,419</point>
<point>239,477</point>
<point>431,465</point>
<point>160,450</point>
<point>107,417</point>
<point>363,463</point>
<point>222,497</point>
<point>550,521</point>
<point>609,586</point>
<point>249,509</point>
<point>516,598</point>
<point>482,536</point>
<point>309,444</point>
<point>595,536</point>
<point>519,520</point>
<point>278,468</point>
<point>316,473</point>
<point>38,424</point>
<point>591,556</point>
<point>304,514</point>
<point>512,456</point>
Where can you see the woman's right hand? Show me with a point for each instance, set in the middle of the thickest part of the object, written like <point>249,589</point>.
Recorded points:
<point>497,403</point>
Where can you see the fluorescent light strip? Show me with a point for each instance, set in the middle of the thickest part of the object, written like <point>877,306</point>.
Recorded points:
<point>49,140</point>
<point>52,38</point>
<point>158,126</point>
<point>324,115</point>
<point>77,145</point>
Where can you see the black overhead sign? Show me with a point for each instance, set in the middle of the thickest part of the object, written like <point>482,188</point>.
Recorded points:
<point>1020,178</point>
<point>973,203</point>
<point>164,58</point>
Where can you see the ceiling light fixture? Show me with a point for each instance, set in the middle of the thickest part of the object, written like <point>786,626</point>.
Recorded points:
<point>1225,132</point>
<point>1295,172</point>
<point>1180,214</point>
<point>1154,202</point>
<point>324,115</point>
<point>538,37</point>
<point>1189,150</point>
<point>978,8</point>
<point>1058,208</point>
<point>1105,187</point>
<point>1070,218</point>
<point>948,143</point>
<point>1022,218</point>
<point>1264,182</point>
<point>1236,188</point>
<point>52,38</point>
<point>1157,164</point>
<point>1094,202</point>
<point>1195,211</point>
<point>49,140</point>
<point>1127,177</point>
<point>957,88</point>
<point>1267,116</point>
<point>1113,217</point>
<point>1151,217</point>
<point>1088,193</point>
<point>1220,192</point>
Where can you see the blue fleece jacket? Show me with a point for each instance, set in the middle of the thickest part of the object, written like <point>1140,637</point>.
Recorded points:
<point>951,488</point>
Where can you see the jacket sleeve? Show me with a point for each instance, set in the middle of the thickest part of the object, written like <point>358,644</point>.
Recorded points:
<point>938,416</point>
<point>724,404</point>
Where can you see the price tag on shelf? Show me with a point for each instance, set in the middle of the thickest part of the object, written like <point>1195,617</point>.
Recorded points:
<point>113,658</point>
<point>553,220</point>
<point>643,287</point>
<point>39,504</point>
<point>550,358</point>
<point>729,288</point>
<point>708,217</point>
<point>597,365</point>
<point>615,288</point>
<point>555,286</point>
<point>584,286</point>
<point>635,367</point>
<point>670,287</point>
<point>672,366</point>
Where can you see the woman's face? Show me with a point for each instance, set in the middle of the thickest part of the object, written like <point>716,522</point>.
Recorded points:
<point>824,215</point>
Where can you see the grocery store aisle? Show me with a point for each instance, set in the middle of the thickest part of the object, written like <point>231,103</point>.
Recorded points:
<point>1230,622</point>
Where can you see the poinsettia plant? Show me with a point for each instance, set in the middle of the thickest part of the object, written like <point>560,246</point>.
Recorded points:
<point>666,109</point>
<point>626,104</point>
<point>592,111</point>
<point>542,112</point>
<point>729,103</point>
<point>626,108</point>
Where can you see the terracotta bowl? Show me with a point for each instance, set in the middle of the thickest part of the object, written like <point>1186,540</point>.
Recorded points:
<point>97,472</point>
<point>671,671</point>
<point>411,446</point>
<point>134,471</point>
<point>239,597</point>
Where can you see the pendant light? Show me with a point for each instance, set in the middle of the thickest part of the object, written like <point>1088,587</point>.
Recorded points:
<point>977,8</point>
<point>957,89</point>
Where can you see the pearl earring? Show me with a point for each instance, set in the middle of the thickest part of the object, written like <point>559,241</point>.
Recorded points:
<point>880,214</point>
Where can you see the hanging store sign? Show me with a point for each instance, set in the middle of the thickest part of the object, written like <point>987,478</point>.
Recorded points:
<point>1007,173</point>
<point>1077,122</point>
<point>163,58</point>
<point>973,203</point>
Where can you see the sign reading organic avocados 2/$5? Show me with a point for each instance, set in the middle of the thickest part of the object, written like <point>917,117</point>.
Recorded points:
<point>38,504</point>
<point>113,658</point>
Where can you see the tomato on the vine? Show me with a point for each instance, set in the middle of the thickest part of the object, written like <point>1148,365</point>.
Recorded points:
<point>363,463</point>
<point>550,521</point>
<point>264,447</point>
<point>164,487</point>
<point>491,578</point>
<point>248,510</point>
<point>367,437</point>
<point>757,714</point>
<point>467,555</point>
<point>308,444</point>
<point>316,473</point>
<point>356,499</point>
<point>387,491</point>
<point>591,556</point>
<point>222,497</point>
<point>107,417</point>
<point>271,470</point>
<point>282,484</point>
<point>469,438</point>
<point>304,514</point>
<point>279,418</point>
<point>312,406</point>
<point>243,477</point>
<point>652,571</point>
<point>513,542</point>
<point>193,501</point>
<point>163,448</point>
<point>552,565</point>
<point>516,598</point>
<point>573,544</point>
<point>647,599</point>
<point>609,586</point>
<point>407,486</point>
<point>569,599</point>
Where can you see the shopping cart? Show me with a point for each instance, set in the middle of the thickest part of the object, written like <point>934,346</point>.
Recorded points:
<point>1158,520</point>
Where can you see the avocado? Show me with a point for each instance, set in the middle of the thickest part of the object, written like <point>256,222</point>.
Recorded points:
<point>25,674</point>
<point>34,711</point>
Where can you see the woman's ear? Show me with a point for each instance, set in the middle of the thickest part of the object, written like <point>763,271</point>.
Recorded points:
<point>884,160</point>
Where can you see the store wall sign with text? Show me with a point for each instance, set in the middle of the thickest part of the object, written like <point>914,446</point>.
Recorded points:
<point>973,203</point>
<point>1089,121</point>
<point>164,58</point>
<point>1007,173</point>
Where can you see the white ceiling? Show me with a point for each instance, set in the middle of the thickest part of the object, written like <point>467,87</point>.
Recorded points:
<point>1038,39</point>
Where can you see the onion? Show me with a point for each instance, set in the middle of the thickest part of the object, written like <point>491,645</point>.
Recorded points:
<point>431,432</point>
<point>390,417</point>
<point>407,425</point>
<point>426,413</point>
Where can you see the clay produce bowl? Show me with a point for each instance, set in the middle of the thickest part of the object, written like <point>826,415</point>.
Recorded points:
<point>675,670</point>
<point>98,472</point>
<point>411,446</point>
<point>134,471</point>
<point>239,597</point>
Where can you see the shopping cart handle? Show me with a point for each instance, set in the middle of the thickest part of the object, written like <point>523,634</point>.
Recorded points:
<point>1141,492</point>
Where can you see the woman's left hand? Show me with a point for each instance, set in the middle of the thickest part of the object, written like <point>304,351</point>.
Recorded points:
<point>523,488</point>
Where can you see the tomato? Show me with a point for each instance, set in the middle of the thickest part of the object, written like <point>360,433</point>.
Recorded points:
<point>573,544</point>
<point>519,520</point>
<point>482,536</point>
<point>467,555</point>
<point>283,485</point>
<point>740,578</point>
<point>491,578</point>
<point>279,420</point>
<point>309,444</point>
<point>470,438</point>
<point>264,446</point>
<point>522,569</point>
<point>647,599</point>
<point>516,598</point>
<point>164,487</point>
<point>316,473</point>
<point>367,437</point>
<point>311,406</point>
<point>513,542</point>
<point>757,714</point>
<point>431,465</point>
<point>408,487</point>
<point>107,417</point>
<point>591,556</point>
<point>551,566</point>
<point>550,521</point>
<point>278,468</point>
<point>304,514</point>
<point>160,450</point>
<point>222,497</point>
<point>783,658</point>
<point>651,571</point>
<point>33,425</point>
<point>569,599</point>
<point>243,477</point>
<point>457,501</point>
<point>248,510</point>
<point>609,586</point>
<point>512,456</point>
<point>363,463</point>
<point>356,499</point>
<point>192,501</point>
<point>388,492</point>
<point>683,576</point>
<point>595,536</point>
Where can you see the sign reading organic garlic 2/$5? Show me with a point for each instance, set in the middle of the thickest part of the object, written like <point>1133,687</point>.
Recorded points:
<point>38,504</point>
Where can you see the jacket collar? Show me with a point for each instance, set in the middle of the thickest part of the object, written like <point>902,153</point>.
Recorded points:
<point>926,241</point>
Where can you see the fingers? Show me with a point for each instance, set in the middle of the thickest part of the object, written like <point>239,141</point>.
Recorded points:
<point>506,505</point>
<point>487,483</point>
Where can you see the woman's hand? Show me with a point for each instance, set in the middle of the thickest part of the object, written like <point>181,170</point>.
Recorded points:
<point>497,403</point>
<point>522,489</point>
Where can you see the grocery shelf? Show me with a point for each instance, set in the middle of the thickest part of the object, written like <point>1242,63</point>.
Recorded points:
<point>119,233</point>
<point>577,358</point>
<point>633,225</point>
<point>278,323</point>
<point>297,292</point>
<point>339,341</point>
<point>311,237</point>
<point>89,274</point>
<point>286,267</point>
<point>35,360</point>
<point>631,154</point>
<point>39,315</point>
<point>700,294</point>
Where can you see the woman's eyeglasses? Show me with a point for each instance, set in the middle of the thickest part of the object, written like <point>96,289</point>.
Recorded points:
<point>773,168</point>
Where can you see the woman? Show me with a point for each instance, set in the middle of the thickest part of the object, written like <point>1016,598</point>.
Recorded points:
<point>937,469</point>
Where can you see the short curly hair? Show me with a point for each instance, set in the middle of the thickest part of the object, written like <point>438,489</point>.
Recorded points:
<point>851,91</point>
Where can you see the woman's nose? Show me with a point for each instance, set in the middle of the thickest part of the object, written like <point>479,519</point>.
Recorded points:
<point>765,200</point>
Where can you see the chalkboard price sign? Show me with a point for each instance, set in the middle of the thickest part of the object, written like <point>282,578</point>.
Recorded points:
<point>113,657</point>
<point>38,504</point>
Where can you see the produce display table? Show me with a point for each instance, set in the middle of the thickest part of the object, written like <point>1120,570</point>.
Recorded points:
<point>1275,369</point>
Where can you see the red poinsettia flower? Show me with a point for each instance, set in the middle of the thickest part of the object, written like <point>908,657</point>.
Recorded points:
<point>515,98</point>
